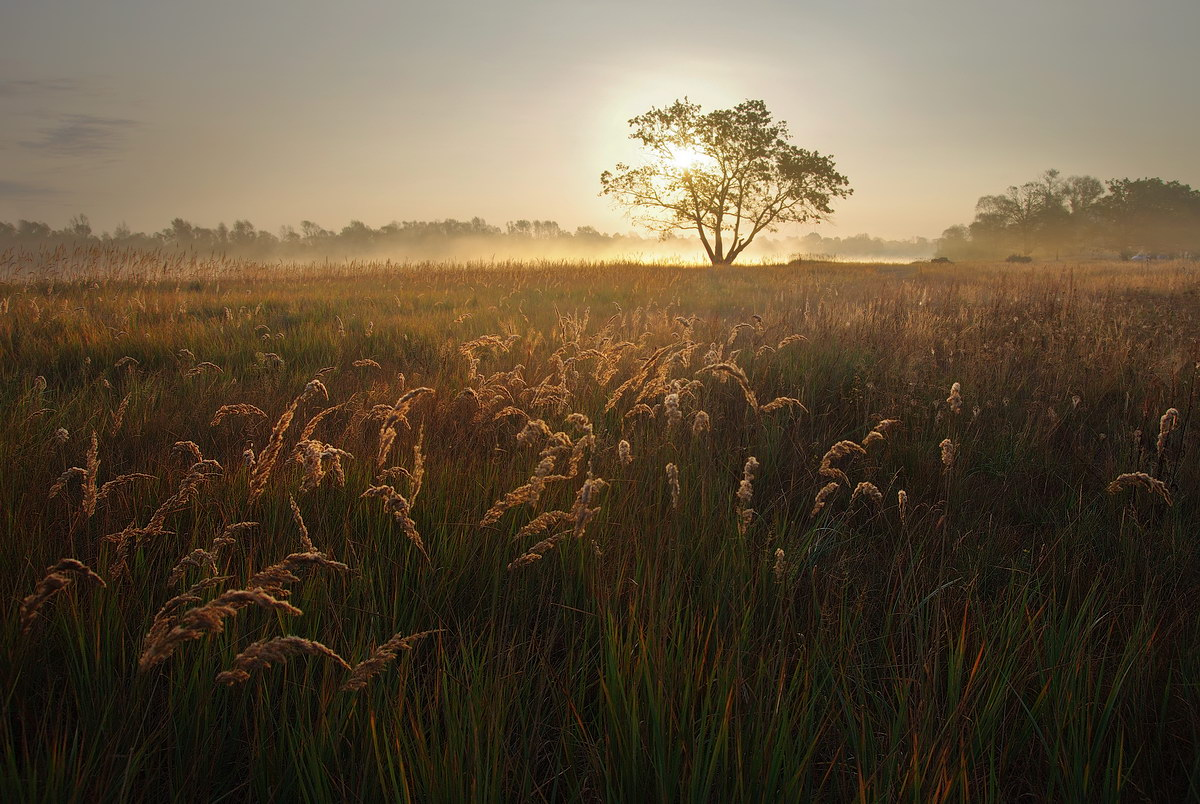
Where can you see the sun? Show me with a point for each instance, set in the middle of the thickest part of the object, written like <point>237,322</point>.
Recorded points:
<point>686,158</point>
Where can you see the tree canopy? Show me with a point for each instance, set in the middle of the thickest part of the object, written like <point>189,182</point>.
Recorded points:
<point>728,175</point>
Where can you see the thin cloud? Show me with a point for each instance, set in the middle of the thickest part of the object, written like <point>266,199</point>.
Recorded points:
<point>25,87</point>
<point>81,135</point>
<point>22,191</point>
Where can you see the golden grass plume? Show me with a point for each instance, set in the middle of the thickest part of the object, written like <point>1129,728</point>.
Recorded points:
<point>263,654</point>
<point>1143,481</point>
<point>381,657</point>
<point>205,620</point>
<point>58,577</point>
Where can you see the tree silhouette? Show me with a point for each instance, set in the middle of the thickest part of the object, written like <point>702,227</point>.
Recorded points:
<point>727,174</point>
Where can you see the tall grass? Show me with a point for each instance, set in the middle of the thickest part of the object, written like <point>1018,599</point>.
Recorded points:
<point>861,589</point>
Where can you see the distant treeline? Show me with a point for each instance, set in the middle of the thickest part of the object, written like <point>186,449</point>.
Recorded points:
<point>1081,215</point>
<point>860,246</point>
<point>450,238</point>
<point>243,238</point>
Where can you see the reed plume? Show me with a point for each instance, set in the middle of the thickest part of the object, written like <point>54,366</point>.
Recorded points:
<point>744,494</point>
<point>544,522</point>
<point>275,578</point>
<point>117,483</point>
<point>558,442</point>
<point>700,423</point>
<point>118,417</point>
<point>189,488</point>
<point>311,427</point>
<point>202,368</point>
<point>539,550</point>
<point>949,453</point>
<point>880,431</point>
<point>842,450</point>
<point>416,477</point>
<point>1166,425</point>
<point>190,449</point>
<point>673,484</point>
<point>1141,480</point>
<point>305,541</point>
<point>164,620</point>
<point>789,340</point>
<point>671,408</point>
<point>263,654</point>
<point>92,469</point>
<point>395,416</point>
<point>395,504</point>
<point>780,568</point>
<point>381,657</point>
<point>265,464</point>
<point>955,400</point>
<point>734,371</point>
<point>64,478</point>
<point>208,619</point>
<point>624,452</point>
<point>197,559</point>
<point>581,512</point>
<point>510,410</point>
<point>320,460</point>
<point>640,409</point>
<point>781,402</point>
<point>640,377</point>
<point>869,491</point>
<point>201,558</point>
<point>58,577</point>
<point>827,491</point>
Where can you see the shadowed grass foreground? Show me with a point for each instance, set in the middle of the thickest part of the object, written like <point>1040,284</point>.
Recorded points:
<point>970,614</point>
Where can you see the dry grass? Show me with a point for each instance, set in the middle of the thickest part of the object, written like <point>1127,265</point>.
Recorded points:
<point>582,495</point>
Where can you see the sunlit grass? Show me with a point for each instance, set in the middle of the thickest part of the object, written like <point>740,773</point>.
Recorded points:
<point>1018,632</point>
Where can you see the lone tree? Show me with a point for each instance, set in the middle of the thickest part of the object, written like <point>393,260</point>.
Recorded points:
<point>728,174</point>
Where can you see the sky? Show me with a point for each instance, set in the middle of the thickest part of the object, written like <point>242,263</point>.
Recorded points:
<point>277,111</point>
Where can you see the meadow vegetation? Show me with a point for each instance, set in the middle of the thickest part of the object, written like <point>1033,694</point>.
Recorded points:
<point>599,532</point>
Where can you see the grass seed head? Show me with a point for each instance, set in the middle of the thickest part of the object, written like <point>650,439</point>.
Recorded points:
<point>868,491</point>
<point>58,577</point>
<point>823,496</point>
<point>263,654</point>
<point>955,400</point>
<point>381,657</point>
<point>949,453</point>
<point>1143,481</point>
<point>1166,425</point>
<point>207,619</point>
<point>840,451</point>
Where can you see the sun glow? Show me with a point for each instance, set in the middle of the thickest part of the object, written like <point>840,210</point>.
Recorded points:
<point>684,158</point>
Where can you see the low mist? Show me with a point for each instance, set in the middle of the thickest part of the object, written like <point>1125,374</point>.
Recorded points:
<point>445,240</point>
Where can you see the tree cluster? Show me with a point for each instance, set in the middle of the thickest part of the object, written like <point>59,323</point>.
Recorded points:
<point>1053,216</point>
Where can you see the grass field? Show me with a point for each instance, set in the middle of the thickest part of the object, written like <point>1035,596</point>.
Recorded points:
<point>972,612</point>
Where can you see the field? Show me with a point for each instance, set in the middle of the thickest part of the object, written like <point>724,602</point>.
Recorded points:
<point>601,533</point>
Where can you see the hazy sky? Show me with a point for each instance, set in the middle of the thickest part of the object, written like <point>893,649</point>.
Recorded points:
<point>282,110</point>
